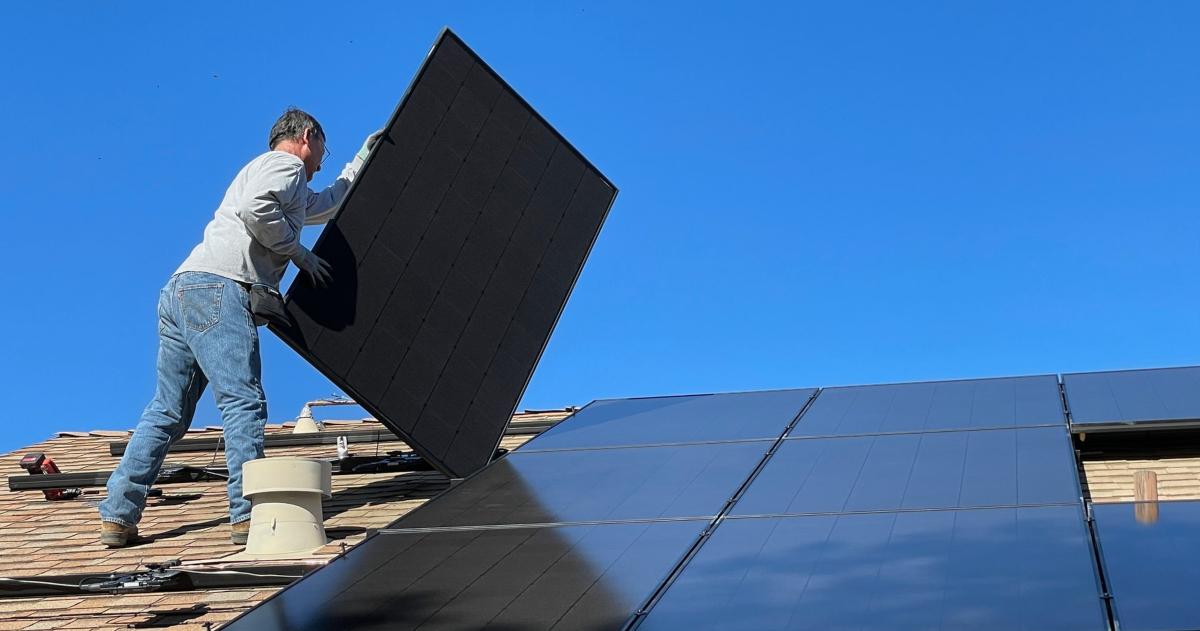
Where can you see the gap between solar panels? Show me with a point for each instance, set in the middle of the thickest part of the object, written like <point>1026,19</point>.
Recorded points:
<point>453,255</point>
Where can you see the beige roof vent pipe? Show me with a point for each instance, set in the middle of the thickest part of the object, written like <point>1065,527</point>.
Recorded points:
<point>306,424</point>
<point>285,497</point>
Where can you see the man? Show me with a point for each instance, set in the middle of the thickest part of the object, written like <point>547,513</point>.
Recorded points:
<point>206,330</point>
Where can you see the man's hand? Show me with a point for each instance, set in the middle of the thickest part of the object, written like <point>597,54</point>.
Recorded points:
<point>313,265</point>
<point>369,143</point>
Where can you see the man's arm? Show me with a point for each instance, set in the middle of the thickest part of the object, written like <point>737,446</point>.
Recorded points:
<point>321,207</point>
<point>261,206</point>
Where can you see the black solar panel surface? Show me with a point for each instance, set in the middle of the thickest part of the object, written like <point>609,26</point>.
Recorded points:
<point>601,484</point>
<point>664,420</point>
<point>1168,396</point>
<point>1151,563</point>
<point>1009,568</point>
<point>934,405</point>
<point>453,256</point>
<point>570,577</point>
<point>916,471</point>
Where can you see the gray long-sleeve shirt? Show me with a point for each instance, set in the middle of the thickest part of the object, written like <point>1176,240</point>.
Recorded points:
<point>256,229</point>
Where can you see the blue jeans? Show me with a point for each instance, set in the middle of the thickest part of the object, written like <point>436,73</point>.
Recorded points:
<point>206,333</point>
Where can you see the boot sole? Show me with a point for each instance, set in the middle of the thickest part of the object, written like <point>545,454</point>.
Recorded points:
<point>114,540</point>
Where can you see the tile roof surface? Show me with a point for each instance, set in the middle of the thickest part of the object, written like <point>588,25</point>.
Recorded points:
<point>188,522</point>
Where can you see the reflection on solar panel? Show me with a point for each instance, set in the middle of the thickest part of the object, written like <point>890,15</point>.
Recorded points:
<point>934,405</point>
<point>592,485</point>
<point>453,255</point>
<point>567,577</point>
<point>1134,399</point>
<point>922,506</point>
<point>1008,568</point>
<point>1150,563</point>
<point>576,535</point>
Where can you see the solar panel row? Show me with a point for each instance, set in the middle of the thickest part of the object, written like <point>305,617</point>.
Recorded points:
<point>935,505</point>
<point>979,526</point>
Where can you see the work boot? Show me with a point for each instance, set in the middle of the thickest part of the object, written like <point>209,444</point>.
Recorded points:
<point>115,535</point>
<point>240,532</point>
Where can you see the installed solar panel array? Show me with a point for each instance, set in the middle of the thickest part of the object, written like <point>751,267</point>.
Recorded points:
<point>452,257</point>
<point>938,505</point>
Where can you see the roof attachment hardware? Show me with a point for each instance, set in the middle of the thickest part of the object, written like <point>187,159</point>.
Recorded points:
<point>170,576</point>
<point>156,577</point>
<point>52,483</point>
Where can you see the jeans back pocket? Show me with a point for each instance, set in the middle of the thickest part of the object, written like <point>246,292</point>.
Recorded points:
<point>201,305</point>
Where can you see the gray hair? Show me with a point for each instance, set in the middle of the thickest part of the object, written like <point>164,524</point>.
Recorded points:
<point>292,125</point>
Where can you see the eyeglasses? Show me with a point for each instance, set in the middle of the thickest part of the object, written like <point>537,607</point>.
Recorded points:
<point>324,151</point>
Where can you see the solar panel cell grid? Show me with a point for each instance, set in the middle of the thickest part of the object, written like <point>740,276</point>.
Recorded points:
<point>440,250</point>
<point>936,405</point>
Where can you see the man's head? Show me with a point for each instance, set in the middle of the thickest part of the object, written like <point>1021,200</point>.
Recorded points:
<point>298,133</point>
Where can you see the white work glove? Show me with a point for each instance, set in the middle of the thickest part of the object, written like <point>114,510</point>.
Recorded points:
<point>368,144</point>
<point>313,265</point>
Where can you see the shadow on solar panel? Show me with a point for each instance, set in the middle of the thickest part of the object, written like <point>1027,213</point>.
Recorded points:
<point>453,255</point>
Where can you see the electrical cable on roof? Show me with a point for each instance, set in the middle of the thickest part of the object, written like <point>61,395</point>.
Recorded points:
<point>256,574</point>
<point>27,581</point>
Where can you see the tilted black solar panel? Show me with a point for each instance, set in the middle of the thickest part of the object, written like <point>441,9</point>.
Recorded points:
<point>453,255</point>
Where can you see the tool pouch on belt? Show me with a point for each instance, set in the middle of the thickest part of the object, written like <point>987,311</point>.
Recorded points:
<point>267,306</point>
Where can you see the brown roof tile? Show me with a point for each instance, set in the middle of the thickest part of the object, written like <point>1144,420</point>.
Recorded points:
<point>188,522</point>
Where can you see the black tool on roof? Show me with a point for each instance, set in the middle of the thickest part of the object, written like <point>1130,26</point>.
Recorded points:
<point>37,463</point>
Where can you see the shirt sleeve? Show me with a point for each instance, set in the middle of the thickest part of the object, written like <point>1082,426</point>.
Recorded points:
<point>261,208</point>
<point>320,207</point>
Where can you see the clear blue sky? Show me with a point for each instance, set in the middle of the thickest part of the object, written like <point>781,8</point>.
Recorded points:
<point>809,195</point>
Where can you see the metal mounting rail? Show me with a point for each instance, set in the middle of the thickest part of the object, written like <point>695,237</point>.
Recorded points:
<point>328,437</point>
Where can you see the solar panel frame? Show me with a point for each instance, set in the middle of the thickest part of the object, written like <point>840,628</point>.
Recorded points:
<point>451,406</point>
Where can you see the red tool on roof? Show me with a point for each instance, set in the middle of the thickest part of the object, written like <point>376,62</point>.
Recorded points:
<point>37,463</point>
